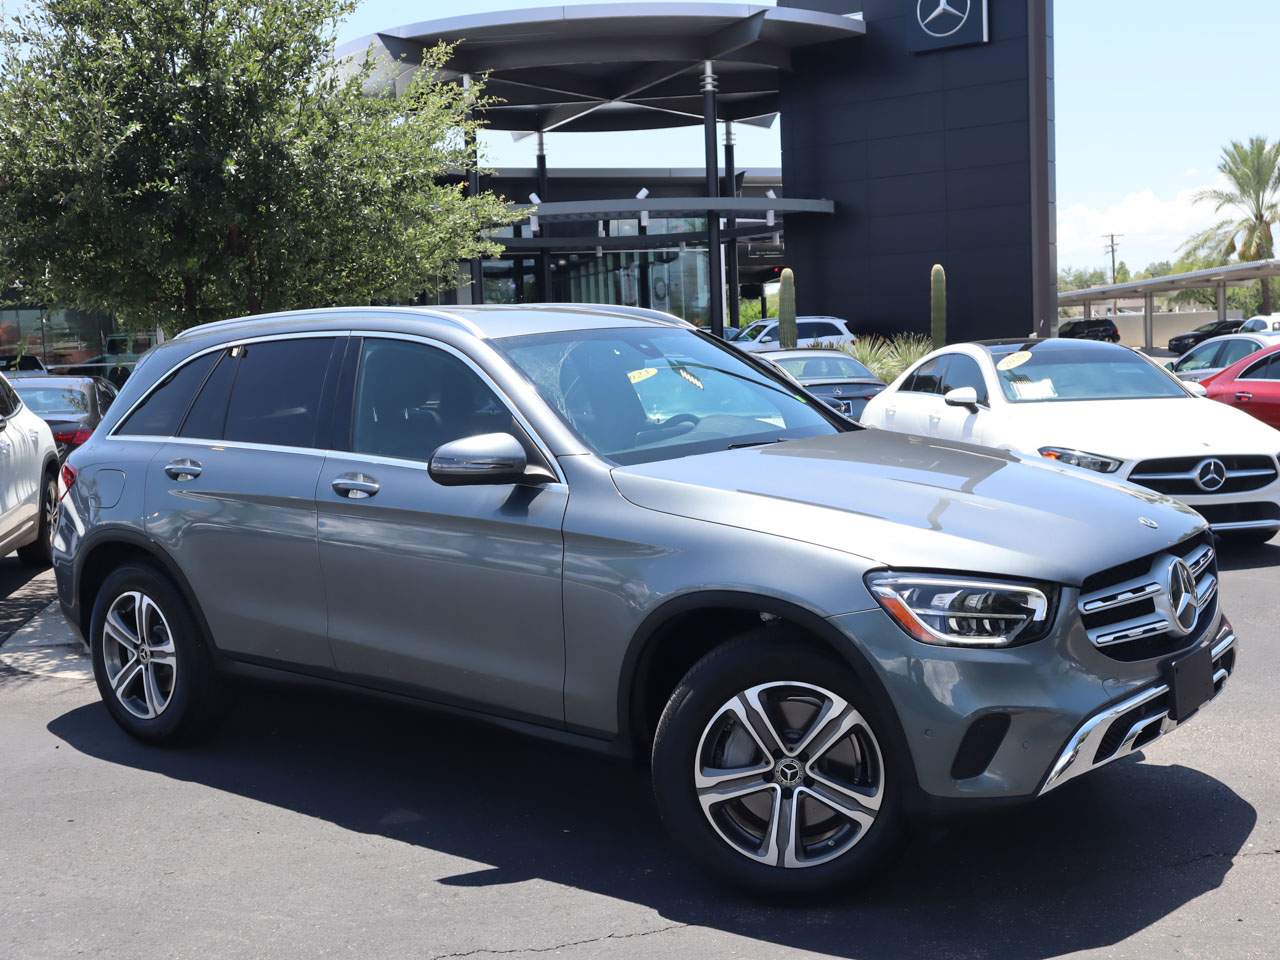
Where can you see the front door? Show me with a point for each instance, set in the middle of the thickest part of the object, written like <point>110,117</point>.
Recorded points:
<point>231,496</point>
<point>961,423</point>
<point>451,591</point>
<point>1257,392</point>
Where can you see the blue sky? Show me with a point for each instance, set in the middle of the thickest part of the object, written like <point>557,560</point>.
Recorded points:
<point>1148,92</point>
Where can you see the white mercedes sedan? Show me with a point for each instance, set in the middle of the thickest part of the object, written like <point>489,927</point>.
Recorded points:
<point>1100,407</point>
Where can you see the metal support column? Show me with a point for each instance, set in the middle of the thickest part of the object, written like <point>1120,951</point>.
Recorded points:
<point>1088,309</point>
<point>544,255</point>
<point>1148,320</point>
<point>731,252</point>
<point>1222,302</point>
<point>714,274</point>
<point>473,188</point>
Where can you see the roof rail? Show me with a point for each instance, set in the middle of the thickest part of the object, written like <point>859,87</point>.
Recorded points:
<point>328,311</point>
<point>643,313</point>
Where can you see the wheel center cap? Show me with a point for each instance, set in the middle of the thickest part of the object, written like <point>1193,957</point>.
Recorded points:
<point>788,772</point>
<point>144,654</point>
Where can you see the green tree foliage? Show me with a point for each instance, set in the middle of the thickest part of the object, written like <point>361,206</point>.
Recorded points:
<point>1081,279</point>
<point>1252,171</point>
<point>174,162</point>
<point>1123,275</point>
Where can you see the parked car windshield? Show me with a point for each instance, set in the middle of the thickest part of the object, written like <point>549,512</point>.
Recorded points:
<point>53,401</point>
<point>833,366</point>
<point>1062,373</point>
<point>636,395</point>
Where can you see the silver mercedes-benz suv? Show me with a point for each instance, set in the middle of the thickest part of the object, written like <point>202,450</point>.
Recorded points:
<point>604,526</point>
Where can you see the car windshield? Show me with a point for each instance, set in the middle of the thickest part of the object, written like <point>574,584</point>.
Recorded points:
<point>640,394</point>
<point>53,401</point>
<point>830,366</point>
<point>1028,374</point>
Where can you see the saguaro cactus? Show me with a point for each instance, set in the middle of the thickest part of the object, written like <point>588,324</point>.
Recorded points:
<point>938,305</point>
<point>787,310</point>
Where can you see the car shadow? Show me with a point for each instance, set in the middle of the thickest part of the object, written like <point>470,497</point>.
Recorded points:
<point>1090,865</point>
<point>1253,556</point>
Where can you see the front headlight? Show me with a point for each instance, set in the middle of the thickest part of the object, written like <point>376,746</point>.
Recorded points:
<point>1080,458</point>
<point>957,611</point>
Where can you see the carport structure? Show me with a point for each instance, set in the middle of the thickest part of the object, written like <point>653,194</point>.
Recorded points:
<point>639,66</point>
<point>1214,278</point>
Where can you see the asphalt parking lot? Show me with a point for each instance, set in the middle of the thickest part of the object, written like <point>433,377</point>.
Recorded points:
<point>318,825</point>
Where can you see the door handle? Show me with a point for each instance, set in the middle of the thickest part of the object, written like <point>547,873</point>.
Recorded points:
<point>183,470</point>
<point>1244,396</point>
<point>355,486</point>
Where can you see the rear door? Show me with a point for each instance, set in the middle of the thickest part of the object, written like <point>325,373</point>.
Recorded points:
<point>454,591</point>
<point>231,496</point>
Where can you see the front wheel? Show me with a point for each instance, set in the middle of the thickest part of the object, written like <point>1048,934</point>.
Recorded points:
<point>768,768</point>
<point>153,670</point>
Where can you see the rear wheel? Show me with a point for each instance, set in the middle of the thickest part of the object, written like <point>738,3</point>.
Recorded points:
<point>151,665</point>
<point>39,553</point>
<point>768,768</point>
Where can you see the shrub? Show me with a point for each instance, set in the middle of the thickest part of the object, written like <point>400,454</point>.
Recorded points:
<point>887,358</point>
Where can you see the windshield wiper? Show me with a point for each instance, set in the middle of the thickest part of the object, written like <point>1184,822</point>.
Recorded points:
<point>754,443</point>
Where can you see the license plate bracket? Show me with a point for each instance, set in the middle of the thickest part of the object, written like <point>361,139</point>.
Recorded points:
<point>1190,682</point>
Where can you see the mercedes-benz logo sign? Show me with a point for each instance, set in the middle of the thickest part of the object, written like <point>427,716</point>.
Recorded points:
<point>1211,474</point>
<point>1182,596</point>
<point>938,18</point>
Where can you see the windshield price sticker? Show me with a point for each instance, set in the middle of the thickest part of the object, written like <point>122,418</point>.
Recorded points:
<point>1014,360</point>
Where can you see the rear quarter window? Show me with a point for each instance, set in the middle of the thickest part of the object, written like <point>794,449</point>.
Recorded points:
<point>162,411</point>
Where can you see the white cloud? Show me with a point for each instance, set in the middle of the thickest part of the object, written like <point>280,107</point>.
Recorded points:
<point>1153,227</point>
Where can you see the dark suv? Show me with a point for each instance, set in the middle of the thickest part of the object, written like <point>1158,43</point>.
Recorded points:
<point>606,527</point>
<point>1093,328</point>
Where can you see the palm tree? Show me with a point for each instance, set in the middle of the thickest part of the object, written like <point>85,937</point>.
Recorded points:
<point>1252,172</point>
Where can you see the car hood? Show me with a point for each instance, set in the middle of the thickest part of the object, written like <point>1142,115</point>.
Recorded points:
<point>1140,429</point>
<point>907,501</point>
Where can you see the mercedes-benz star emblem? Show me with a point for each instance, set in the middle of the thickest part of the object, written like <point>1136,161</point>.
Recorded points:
<point>1148,522</point>
<point>938,18</point>
<point>1182,596</point>
<point>1211,474</point>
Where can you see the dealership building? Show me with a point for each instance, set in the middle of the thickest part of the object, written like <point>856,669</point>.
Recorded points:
<point>913,132</point>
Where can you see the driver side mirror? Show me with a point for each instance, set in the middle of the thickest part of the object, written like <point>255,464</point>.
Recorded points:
<point>962,397</point>
<point>492,459</point>
<point>1196,388</point>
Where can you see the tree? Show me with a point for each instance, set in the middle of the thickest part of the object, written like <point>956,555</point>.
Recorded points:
<point>1080,278</point>
<point>174,162</point>
<point>1252,171</point>
<point>1122,273</point>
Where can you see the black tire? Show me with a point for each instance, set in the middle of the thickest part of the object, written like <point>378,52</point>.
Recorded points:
<point>39,553</point>
<point>191,706</point>
<point>770,654</point>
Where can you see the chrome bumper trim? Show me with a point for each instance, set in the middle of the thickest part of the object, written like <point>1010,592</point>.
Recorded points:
<point>1246,525</point>
<point>1077,756</point>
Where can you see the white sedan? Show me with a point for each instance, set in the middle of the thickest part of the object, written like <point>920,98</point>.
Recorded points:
<point>1101,407</point>
<point>764,335</point>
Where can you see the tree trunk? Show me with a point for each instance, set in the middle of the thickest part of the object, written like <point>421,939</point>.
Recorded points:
<point>190,302</point>
<point>1265,285</point>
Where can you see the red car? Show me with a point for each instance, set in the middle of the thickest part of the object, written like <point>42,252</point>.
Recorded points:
<point>1252,384</point>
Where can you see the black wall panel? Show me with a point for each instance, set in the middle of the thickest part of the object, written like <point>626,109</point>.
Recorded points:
<point>941,157</point>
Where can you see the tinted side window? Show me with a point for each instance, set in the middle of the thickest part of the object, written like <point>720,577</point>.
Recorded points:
<point>8,399</point>
<point>1201,358</point>
<point>811,330</point>
<point>276,396</point>
<point>963,371</point>
<point>1268,369</point>
<point>411,398</point>
<point>208,414</point>
<point>928,378</point>
<point>1233,350</point>
<point>163,410</point>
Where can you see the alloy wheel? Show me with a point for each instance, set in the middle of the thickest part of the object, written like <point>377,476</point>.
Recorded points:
<point>138,652</point>
<point>789,774</point>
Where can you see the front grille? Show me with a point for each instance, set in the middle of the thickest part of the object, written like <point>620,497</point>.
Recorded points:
<point>1176,476</point>
<point>1218,513</point>
<point>1130,612</point>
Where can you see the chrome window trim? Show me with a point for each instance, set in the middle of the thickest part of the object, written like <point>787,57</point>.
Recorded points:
<point>347,454</point>
<point>225,345</point>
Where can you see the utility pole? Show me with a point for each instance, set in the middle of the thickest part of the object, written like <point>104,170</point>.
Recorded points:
<point>1111,247</point>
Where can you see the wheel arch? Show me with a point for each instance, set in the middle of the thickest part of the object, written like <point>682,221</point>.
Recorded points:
<point>110,548</point>
<point>654,646</point>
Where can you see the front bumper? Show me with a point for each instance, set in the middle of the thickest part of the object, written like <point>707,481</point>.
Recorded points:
<point>1133,723</point>
<point>1257,509</point>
